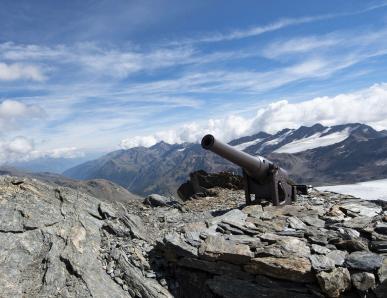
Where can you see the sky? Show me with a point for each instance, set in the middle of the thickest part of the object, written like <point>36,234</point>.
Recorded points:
<point>79,77</point>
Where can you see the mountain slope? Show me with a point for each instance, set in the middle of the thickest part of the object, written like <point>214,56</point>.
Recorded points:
<point>316,154</point>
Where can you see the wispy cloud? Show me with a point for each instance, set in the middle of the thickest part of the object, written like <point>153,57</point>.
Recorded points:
<point>274,26</point>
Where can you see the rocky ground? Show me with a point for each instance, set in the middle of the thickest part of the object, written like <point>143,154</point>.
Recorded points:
<point>55,241</point>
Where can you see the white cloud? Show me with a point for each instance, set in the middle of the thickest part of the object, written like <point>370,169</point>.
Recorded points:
<point>17,71</point>
<point>12,113</point>
<point>21,148</point>
<point>364,106</point>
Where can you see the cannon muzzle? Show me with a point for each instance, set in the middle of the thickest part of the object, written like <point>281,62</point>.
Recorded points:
<point>256,167</point>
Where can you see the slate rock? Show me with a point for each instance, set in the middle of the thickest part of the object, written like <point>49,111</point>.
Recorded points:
<point>363,260</point>
<point>295,223</point>
<point>379,246</point>
<point>321,262</point>
<point>361,208</point>
<point>314,221</point>
<point>155,200</point>
<point>293,269</point>
<point>335,282</point>
<point>175,246</point>
<point>381,228</point>
<point>338,256</point>
<point>218,248</point>
<point>363,281</point>
<point>318,249</point>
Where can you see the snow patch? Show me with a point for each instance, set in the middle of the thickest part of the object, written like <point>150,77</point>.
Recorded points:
<point>275,141</point>
<point>369,190</point>
<point>243,146</point>
<point>314,141</point>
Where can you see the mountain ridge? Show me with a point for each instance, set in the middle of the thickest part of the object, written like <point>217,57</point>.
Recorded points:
<point>308,153</point>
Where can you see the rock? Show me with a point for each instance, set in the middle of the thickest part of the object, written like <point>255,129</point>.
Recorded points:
<point>218,248</point>
<point>224,286</point>
<point>382,273</point>
<point>359,222</point>
<point>135,225</point>
<point>338,256</point>
<point>287,247</point>
<point>363,260</point>
<point>363,281</point>
<point>106,211</point>
<point>321,262</point>
<point>351,245</point>
<point>379,246</point>
<point>174,247</point>
<point>361,208</point>
<point>381,228</point>
<point>322,250</point>
<point>219,267</point>
<point>293,269</point>
<point>234,215</point>
<point>335,282</point>
<point>253,210</point>
<point>314,221</point>
<point>296,223</point>
<point>155,200</point>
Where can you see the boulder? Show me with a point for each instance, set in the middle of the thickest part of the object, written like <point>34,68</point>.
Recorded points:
<point>155,200</point>
<point>335,282</point>
<point>363,281</point>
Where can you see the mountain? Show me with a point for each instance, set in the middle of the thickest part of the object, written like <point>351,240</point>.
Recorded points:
<point>316,154</point>
<point>51,164</point>
<point>105,190</point>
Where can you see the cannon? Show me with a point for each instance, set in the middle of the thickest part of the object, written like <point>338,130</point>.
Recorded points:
<point>263,180</point>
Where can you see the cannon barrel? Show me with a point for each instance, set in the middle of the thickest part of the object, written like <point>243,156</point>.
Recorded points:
<point>255,166</point>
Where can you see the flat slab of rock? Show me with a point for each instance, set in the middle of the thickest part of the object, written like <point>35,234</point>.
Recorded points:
<point>293,269</point>
<point>362,260</point>
<point>218,248</point>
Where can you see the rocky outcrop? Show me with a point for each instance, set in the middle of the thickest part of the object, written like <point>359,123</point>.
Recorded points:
<point>55,241</point>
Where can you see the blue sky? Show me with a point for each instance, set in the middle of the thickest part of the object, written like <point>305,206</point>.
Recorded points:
<point>83,76</point>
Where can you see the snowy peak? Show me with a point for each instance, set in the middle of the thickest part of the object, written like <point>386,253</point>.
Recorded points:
<point>305,138</point>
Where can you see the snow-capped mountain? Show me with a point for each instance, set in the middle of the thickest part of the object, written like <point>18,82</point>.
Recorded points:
<point>303,138</point>
<point>316,154</point>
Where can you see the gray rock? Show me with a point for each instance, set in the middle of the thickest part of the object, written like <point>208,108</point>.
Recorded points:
<point>314,221</point>
<point>359,222</point>
<point>361,208</point>
<point>48,244</point>
<point>296,223</point>
<point>381,228</point>
<point>175,246</point>
<point>335,282</point>
<point>321,262</point>
<point>293,269</point>
<point>338,256</point>
<point>106,211</point>
<point>363,260</point>
<point>322,250</point>
<point>379,246</point>
<point>155,200</point>
<point>363,281</point>
<point>288,247</point>
<point>218,248</point>
<point>234,215</point>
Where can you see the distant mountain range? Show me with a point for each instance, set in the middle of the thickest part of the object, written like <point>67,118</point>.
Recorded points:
<point>316,154</point>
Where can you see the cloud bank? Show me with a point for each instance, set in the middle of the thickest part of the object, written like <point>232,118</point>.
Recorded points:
<point>364,106</point>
